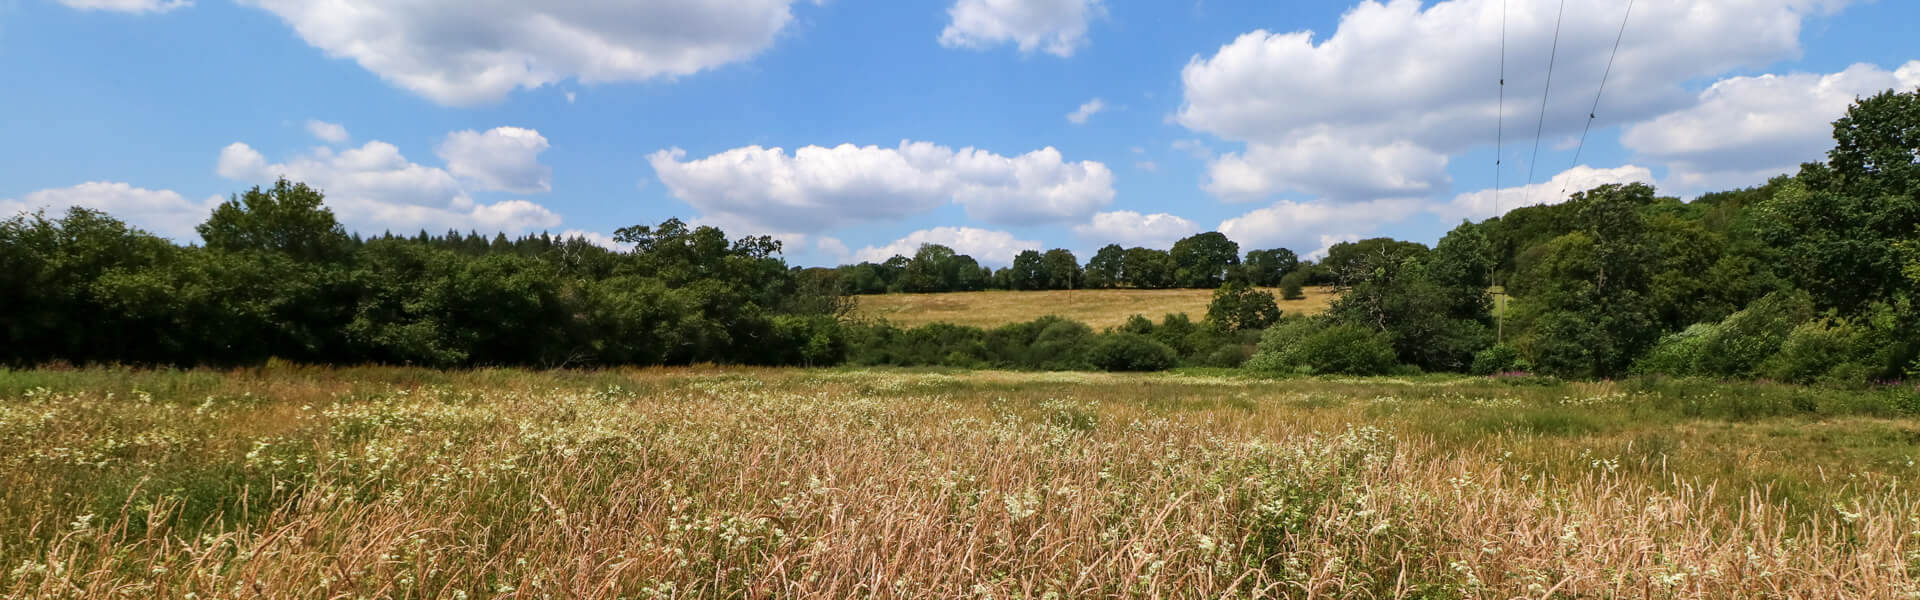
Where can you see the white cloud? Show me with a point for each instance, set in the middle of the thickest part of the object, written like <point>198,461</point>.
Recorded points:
<point>1129,228</point>
<point>833,248</point>
<point>1079,115</point>
<point>332,133</point>
<point>984,245</point>
<point>128,6</point>
<point>1302,225</point>
<point>163,212</point>
<point>375,188</point>
<point>1406,85</point>
<point>463,53</point>
<point>1746,129</point>
<point>816,188</point>
<point>1148,166</point>
<point>596,238</point>
<point>1324,166</point>
<point>504,158</point>
<point>570,97</point>
<point>1481,205</point>
<point>1057,27</point>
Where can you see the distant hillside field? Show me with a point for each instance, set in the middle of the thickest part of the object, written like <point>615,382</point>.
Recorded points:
<point>1097,308</point>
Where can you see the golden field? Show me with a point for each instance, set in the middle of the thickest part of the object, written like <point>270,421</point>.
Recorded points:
<point>294,482</point>
<point>1097,308</point>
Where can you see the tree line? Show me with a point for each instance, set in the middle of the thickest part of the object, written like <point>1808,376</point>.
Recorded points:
<point>1811,277</point>
<point>1205,261</point>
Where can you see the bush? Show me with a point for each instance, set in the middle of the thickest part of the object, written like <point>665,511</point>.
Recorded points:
<point>1061,346</point>
<point>1177,332</point>
<point>1346,350</point>
<point>1499,358</point>
<point>1237,307</point>
<point>1812,351</point>
<point>1130,352</point>
<point>1276,351</point>
<point>1748,337</point>
<point>1291,283</point>
<point>1137,324</point>
<point>1677,354</point>
<point>1312,347</point>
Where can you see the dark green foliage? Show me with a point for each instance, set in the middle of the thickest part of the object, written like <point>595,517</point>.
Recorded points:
<point>1106,268</point>
<point>1047,343</point>
<point>1748,337</point>
<point>1148,268</point>
<point>1290,286</point>
<point>1063,270</point>
<point>1266,268</point>
<point>288,218</point>
<point>1237,307</point>
<point>1582,297</point>
<point>1029,271</point>
<point>1499,358</point>
<point>1202,260</point>
<point>1432,323</point>
<point>1130,352</point>
<point>1310,346</point>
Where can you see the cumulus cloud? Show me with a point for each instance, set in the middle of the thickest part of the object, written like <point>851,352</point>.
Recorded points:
<point>596,238</point>
<point>128,6</point>
<point>1080,115</point>
<point>332,133</point>
<point>815,188</point>
<point>504,158</point>
<point>1129,228</point>
<point>463,53</point>
<point>163,212</point>
<point>834,249</point>
<point>984,245</point>
<point>1300,226</point>
<point>1325,166</point>
<point>374,188</point>
<point>1482,204</point>
<point>1057,27</point>
<point>1405,85</point>
<point>1746,129</point>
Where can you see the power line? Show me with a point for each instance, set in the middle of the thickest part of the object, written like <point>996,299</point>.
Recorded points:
<point>1596,94</point>
<point>1499,153</point>
<point>1500,117</point>
<point>1540,127</point>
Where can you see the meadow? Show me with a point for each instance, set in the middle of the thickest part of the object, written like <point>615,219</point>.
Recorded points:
<point>1098,308</point>
<point>297,482</point>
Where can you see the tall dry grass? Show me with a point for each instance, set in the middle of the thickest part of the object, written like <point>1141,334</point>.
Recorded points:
<point>698,484</point>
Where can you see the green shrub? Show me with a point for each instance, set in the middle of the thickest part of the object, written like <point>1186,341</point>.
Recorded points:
<point>1812,351</point>
<point>1237,306</point>
<point>1677,354</point>
<point>1314,347</point>
<point>1061,346</point>
<point>1499,358</point>
<point>1748,337</point>
<point>1275,352</point>
<point>1291,283</point>
<point>1347,350</point>
<point>1137,324</point>
<point>1130,352</point>
<point>1178,332</point>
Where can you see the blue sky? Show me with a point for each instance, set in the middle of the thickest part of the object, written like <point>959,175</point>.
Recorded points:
<point>897,123</point>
